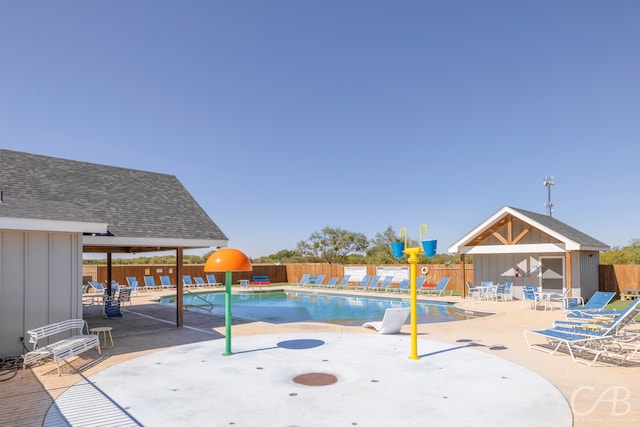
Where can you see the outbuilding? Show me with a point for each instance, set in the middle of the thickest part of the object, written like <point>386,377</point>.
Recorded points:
<point>53,210</point>
<point>529,248</point>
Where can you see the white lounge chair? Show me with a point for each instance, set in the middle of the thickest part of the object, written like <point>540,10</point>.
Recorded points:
<point>392,321</point>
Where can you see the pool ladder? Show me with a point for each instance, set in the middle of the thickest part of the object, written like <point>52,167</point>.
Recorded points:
<point>186,306</point>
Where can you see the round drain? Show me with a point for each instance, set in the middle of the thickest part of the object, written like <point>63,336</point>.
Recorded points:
<point>315,379</point>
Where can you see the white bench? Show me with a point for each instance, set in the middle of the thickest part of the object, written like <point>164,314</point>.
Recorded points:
<point>64,348</point>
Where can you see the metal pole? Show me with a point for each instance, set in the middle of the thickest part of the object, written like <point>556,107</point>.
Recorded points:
<point>413,272</point>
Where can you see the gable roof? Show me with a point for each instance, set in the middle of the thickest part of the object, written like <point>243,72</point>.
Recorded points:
<point>125,209</point>
<point>568,238</point>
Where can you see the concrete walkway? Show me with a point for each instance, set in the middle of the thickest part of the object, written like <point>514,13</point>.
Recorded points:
<point>460,374</point>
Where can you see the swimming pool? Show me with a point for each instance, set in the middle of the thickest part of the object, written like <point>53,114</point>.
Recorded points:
<point>278,306</point>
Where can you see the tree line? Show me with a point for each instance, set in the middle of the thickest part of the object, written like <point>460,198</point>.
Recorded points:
<point>339,246</point>
<point>329,245</point>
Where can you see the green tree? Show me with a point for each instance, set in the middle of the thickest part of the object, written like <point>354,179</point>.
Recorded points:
<point>333,245</point>
<point>380,248</point>
<point>282,256</point>
<point>629,254</point>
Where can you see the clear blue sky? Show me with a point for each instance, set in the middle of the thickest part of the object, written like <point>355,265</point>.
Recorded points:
<point>285,117</point>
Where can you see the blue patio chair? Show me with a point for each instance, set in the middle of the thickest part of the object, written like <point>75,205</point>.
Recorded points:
<point>506,292</point>
<point>473,291</point>
<point>112,307</point>
<point>534,297</point>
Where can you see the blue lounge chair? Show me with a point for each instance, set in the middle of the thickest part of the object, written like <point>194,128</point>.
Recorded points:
<point>384,285</point>
<point>187,282</point>
<point>304,279</point>
<point>363,283</point>
<point>595,321</point>
<point>165,282</point>
<point>596,303</point>
<point>97,286</point>
<point>211,280</point>
<point>331,283</point>
<point>403,286</point>
<point>373,284</point>
<point>343,283</point>
<point>133,284</point>
<point>150,283</point>
<point>317,281</point>
<point>440,288</point>
<point>587,338</point>
<point>199,282</point>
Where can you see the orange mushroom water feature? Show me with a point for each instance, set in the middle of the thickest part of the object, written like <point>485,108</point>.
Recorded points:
<point>227,260</point>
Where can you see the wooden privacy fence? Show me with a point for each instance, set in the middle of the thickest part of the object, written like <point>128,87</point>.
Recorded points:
<point>289,273</point>
<point>617,278</point>
<point>120,272</point>
<point>613,278</point>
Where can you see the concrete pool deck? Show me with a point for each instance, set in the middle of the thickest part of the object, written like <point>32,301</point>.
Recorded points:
<point>473,372</point>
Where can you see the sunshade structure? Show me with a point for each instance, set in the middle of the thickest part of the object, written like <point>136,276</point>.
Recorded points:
<point>53,210</point>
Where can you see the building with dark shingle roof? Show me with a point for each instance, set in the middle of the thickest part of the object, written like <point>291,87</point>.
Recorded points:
<point>53,210</point>
<point>529,248</point>
<point>141,210</point>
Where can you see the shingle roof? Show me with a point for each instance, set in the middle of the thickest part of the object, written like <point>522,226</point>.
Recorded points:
<point>567,231</point>
<point>572,239</point>
<point>134,203</point>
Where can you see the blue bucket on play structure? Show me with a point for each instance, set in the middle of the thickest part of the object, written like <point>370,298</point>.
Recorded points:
<point>398,249</point>
<point>429,247</point>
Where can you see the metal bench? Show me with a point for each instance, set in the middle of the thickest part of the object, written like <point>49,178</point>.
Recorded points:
<point>63,349</point>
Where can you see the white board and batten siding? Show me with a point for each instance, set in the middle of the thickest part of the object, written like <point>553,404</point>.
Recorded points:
<point>40,283</point>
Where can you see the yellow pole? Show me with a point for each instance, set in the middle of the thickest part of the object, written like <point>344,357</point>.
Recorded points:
<point>413,267</point>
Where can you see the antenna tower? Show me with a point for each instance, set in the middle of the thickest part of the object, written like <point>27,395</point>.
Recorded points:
<point>548,182</point>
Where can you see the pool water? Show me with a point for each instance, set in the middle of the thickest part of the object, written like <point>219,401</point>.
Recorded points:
<point>294,306</point>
